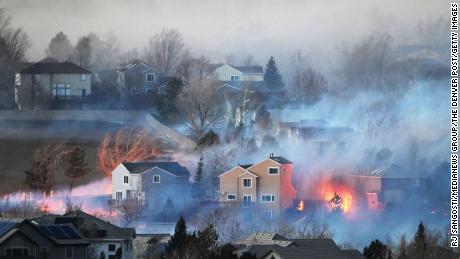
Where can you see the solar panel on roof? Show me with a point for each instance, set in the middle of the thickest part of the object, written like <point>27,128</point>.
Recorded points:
<point>6,226</point>
<point>71,234</point>
<point>57,232</point>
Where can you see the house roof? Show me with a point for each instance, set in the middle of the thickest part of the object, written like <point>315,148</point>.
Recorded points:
<point>105,228</point>
<point>280,160</point>
<point>170,166</point>
<point>395,171</point>
<point>48,67</point>
<point>245,166</point>
<point>250,69</point>
<point>294,252</point>
<point>353,254</point>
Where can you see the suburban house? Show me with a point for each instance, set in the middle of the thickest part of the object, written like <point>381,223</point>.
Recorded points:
<point>105,239</point>
<point>268,246</point>
<point>153,181</point>
<point>266,185</point>
<point>239,73</point>
<point>390,185</point>
<point>27,239</point>
<point>140,79</point>
<point>52,80</point>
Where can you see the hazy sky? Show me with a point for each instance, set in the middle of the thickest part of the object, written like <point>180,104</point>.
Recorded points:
<point>216,27</point>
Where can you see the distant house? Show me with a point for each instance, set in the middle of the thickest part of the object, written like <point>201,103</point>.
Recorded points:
<point>104,237</point>
<point>240,73</point>
<point>59,80</point>
<point>26,239</point>
<point>390,185</point>
<point>140,78</point>
<point>266,185</point>
<point>267,246</point>
<point>153,181</point>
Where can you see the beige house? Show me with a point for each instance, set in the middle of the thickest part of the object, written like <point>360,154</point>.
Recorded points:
<point>51,79</point>
<point>240,73</point>
<point>266,185</point>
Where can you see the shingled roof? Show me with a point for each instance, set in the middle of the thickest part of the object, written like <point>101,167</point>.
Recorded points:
<point>250,69</point>
<point>169,166</point>
<point>48,67</point>
<point>280,159</point>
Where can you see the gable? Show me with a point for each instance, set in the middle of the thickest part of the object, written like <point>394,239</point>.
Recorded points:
<point>226,69</point>
<point>260,169</point>
<point>234,172</point>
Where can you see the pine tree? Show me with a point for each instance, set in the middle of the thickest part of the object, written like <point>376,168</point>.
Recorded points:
<point>420,242</point>
<point>74,165</point>
<point>272,76</point>
<point>376,250</point>
<point>197,186</point>
<point>167,104</point>
<point>176,244</point>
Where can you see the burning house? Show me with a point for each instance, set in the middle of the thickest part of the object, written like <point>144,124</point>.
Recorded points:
<point>265,186</point>
<point>153,181</point>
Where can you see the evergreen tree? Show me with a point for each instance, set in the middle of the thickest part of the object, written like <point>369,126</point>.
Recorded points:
<point>167,103</point>
<point>197,186</point>
<point>376,250</point>
<point>272,76</point>
<point>177,242</point>
<point>74,165</point>
<point>420,243</point>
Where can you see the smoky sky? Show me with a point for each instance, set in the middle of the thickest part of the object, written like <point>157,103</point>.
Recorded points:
<point>217,28</point>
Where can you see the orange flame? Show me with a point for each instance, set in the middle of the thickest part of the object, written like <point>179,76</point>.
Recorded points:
<point>300,206</point>
<point>337,195</point>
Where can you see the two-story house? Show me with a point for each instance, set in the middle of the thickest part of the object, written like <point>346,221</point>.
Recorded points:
<point>230,73</point>
<point>140,79</point>
<point>104,238</point>
<point>27,239</point>
<point>266,185</point>
<point>153,181</point>
<point>53,79</point>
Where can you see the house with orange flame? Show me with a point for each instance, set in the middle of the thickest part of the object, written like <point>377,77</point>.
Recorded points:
<point>266,186</point>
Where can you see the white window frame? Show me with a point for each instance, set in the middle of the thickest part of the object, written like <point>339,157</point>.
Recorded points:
<point>234,195</point>
<point>108,248</point>
<point>126,177</point>
<point>17,79</point>
<point>250,180</point>
<point>159,178</point>
<point>61,86</point>
<point>237,78</point>
<point>82,77</point>
<point>277,169</point>
<point>37,77</point>
<point>246,195</point>
<point>272,198</point>
<point>121,195</point>
<point>147,77</point>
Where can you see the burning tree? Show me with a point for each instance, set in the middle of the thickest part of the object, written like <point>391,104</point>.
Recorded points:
<point>126,145</point>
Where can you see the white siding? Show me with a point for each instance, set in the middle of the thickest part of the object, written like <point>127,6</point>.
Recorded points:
<point>225,72</point>
<point>118,185</point>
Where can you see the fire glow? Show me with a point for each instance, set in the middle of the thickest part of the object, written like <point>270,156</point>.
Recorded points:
<point>337,195</point>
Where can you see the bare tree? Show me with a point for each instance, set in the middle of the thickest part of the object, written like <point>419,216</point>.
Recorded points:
<point>13,46</point>
<point>164,50</point>
<point>191,68</point>
<point>82,52</point>
<point>41,176</point>
<point>308,85</point>
<point>126,145</point>
<point>60,47</point>
<point>198,102</point>
<point>131,209</point>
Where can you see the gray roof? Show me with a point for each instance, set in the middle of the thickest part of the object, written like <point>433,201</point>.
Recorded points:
<point>105,228</point>
<point>250,69</point>
<point>46,67</point>
<point>169,166</point>
<point>280,159</point>
<point>353,254</point>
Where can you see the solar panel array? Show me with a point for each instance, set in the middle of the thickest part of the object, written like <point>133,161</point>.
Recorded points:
<point>60,232</point>
<point>5,226</point>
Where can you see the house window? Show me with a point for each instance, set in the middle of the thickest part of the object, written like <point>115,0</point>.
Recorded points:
<point>18,251</point>
<point>156,179</point>
<point>125,179</point>
<point>231,197</point>
<point>68,252</point>
<point>247,201</point>
<point>234,78</point>
<point>150,77</point>
<point>118,195</point>
<point>37,77</point>
<point>61,90</point>
<point>247,182</point>
<point>268,198</point>
<point>273,170</point>
<point>83,77</point>
<point>112,248</point>
<point>83,92</point>
<point>268,214</point>
<point>17,79</point>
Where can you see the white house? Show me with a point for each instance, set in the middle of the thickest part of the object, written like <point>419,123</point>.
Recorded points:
<point>240,73</point>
